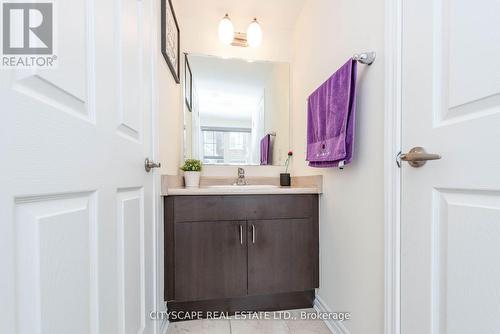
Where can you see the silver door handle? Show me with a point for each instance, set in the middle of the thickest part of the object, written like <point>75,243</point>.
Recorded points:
<point>148,165</point>
<point>253,233</point>
<point>241,234</point>
<point>417,157</point>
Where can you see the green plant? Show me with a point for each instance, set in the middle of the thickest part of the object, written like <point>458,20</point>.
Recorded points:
<point>192,165</point>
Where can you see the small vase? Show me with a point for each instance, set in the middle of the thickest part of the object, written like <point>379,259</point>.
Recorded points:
<point>285,180</point>
<point>192,179</point>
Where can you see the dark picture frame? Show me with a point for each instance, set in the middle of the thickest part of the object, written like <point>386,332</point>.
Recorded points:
<point>170,39</point>
<point>188,83</point>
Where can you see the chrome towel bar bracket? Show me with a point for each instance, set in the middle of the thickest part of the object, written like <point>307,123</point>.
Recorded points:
<point>366,58</point>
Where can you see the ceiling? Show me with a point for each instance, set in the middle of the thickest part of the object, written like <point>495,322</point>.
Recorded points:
<point>228,88</point>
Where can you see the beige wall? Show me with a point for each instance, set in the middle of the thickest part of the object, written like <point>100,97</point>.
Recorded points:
<point>327,33</point>
<point>200,26</point>
<point>170,117</point>
<point>170,122</point>
<point>188,133</point>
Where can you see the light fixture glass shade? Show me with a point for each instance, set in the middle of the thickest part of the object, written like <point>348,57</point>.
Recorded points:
<point>254,34</point>
<point>226,30</point>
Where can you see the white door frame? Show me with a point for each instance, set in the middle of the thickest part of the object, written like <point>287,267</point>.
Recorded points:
<point>160,305</point>
<point>392,173</point>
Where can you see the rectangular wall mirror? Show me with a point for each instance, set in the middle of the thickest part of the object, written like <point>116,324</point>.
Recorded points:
<point>239,111</point>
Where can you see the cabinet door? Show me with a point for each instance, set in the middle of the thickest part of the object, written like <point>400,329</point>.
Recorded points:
<point>210,260</point>
<point>283,256</point>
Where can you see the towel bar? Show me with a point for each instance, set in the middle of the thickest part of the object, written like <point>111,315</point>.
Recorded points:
<point>366,58</point>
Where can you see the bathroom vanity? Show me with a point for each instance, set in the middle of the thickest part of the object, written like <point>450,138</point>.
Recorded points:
<point>238,243</point>
<point>229,252</point>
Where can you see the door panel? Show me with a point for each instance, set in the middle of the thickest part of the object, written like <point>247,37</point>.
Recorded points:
<point>131,260</point>
<point>469,39</point>
<point>65,88</point>
<point>210,260</point>
<point>130,74</point>
<point>465,258</point>
<point>451,107</point>
<point>49,277</point>
<point>282,256</point>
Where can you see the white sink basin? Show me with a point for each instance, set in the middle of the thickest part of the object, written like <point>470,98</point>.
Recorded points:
<point>249,187</point>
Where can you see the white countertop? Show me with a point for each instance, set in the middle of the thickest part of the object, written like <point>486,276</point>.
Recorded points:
<point>241,190</point>
<point>174,186</point>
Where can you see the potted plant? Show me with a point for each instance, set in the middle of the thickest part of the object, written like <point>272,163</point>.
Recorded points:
<point>192,172</point>
<point>285,179</point>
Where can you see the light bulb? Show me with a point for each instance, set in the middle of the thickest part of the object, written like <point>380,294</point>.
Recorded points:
<point>254,34</point>
<point>226,30</point>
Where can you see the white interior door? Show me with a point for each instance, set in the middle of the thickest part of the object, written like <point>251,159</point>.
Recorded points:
<point>451,207</point>
<point>76,204</point>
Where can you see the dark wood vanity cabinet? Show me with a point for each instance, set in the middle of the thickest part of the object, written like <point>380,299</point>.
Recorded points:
<point>210,260</point>
<point>241,252</point>
<point>282,256</point>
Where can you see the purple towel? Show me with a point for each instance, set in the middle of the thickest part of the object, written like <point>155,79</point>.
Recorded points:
<point>330,119</point>
<point>265,150</point>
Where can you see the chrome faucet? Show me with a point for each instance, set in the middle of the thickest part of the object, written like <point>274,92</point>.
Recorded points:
<point>240,181</point>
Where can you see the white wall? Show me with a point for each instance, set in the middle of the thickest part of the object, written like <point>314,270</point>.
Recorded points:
<point>277,111</point>
<point>327,33</point>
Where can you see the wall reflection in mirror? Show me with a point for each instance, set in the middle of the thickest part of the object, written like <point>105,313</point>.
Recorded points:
<point>239,111</point>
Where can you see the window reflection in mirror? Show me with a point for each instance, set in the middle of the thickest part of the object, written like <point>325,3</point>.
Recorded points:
<point>239,113</point>
<point>226,146</point>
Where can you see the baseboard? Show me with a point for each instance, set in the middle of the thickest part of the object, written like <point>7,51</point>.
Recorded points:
<point>164,326</point>
<point>162,322</point>
<point>335,326</point>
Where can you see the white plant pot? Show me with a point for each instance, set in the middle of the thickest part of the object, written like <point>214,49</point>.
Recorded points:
<point>192,179</point>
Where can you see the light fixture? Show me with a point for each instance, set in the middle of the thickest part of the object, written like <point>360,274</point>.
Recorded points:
<point>254,34</point>
<point>226,30</point>
<point>227,35</point>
